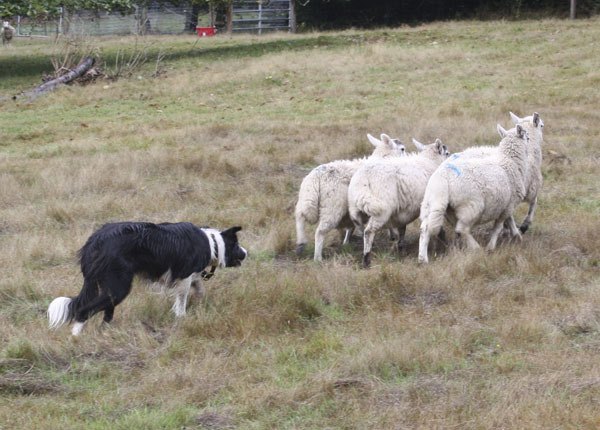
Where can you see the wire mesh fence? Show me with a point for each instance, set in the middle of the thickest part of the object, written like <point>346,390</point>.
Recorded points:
<point>154,19</point>
<point>256,16</point>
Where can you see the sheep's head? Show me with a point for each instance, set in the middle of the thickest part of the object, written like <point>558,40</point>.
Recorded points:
<point>534,120</point>
<point>387,147</point>
<point>521,132</point>
<point>504,132</point>
<point>436,148</point>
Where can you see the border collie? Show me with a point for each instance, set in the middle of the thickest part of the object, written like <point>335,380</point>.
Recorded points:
<point>178,255</point>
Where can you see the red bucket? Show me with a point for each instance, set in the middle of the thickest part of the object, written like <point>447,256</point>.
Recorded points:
<point>205,31</point>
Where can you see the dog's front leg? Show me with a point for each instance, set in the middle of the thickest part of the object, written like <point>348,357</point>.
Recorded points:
<point>182,290</point>
<point>198,287</point>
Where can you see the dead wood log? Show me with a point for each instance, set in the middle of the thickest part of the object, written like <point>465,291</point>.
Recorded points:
<point>86,64</point>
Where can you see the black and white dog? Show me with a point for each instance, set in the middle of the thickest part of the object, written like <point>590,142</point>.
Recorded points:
<point>177,255</point>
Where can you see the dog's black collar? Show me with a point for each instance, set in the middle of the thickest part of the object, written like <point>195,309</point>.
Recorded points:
<point>206,274</point>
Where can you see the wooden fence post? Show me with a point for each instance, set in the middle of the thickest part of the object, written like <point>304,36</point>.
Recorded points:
<point>229,16</point>
<point>292,16</point>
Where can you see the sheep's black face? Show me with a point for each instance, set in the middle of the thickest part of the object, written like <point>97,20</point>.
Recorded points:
<point>234,253</point>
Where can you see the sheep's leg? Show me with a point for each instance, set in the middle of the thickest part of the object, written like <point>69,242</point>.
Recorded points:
<point>301,239</point>
<point>441,242</point>
<point>514,231</point>
<point>373,225</point>
<point>442,237</point>
<point>463,232</point>
<point>529,218</point>
<point>423,244</point>
<point>394,234</point>
<point>495,233</point>
<point>320,233</point>
<point>319,241</point>
<point>400,244</point>
<point>347,234</point>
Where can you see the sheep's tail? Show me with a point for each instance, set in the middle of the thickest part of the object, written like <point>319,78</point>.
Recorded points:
<point>433,211</point>
<point>356,208</point>
<point>60,311</point>
<point>307,208</point>
<point>434,205</point>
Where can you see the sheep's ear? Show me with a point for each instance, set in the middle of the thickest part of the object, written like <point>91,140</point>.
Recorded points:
<point>386,139</point>
<point>536,119</point>
<point>521,131</point>
<point>418,144</point>
<point>374,141</point>
<point>501,131</point>
<point>514,118</point>
<point>439,146</point>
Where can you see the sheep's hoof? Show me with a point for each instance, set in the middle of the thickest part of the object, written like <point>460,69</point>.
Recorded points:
<point>366,260</point>
<point>524,228</point>
<point>300,248</point>
<point>422,260</point>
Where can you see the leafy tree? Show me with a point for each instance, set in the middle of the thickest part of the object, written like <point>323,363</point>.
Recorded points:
<point>49,8</point>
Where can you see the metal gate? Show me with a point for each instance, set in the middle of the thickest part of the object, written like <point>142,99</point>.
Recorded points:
<point>258,16</point>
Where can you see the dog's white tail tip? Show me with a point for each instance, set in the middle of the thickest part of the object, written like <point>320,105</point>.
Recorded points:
<point>58,312</point>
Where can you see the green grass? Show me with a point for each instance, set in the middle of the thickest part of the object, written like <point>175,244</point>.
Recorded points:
<point>223,136</point>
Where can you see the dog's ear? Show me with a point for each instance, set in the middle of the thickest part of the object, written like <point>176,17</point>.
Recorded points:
<point>231,232</point>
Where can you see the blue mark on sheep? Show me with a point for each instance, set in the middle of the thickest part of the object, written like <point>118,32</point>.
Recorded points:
<point>455,156</point>
<point>454,168</point>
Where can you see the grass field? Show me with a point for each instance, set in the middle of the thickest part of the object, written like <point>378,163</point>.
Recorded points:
<point>223,137</point>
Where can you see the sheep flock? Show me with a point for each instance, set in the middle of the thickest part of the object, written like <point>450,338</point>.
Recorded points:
<point>392,188</point>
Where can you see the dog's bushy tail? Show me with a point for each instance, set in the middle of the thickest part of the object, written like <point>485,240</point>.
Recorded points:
<point>60,311</point>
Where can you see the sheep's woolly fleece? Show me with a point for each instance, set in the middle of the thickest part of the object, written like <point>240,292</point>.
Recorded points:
<point>476,190</point>
<point>323,195</point>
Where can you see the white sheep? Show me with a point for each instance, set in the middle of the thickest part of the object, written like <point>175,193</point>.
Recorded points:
<point>389,192</point>
<point>476,190</point>
<point>323,195</point>
<point>534,126</point>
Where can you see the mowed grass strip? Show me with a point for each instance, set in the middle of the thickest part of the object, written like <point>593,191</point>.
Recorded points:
<point>223,136</point>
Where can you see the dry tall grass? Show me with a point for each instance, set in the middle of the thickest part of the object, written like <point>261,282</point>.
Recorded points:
<point>502,340</point>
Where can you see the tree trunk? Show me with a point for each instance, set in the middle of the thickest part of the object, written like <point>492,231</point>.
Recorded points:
<point>86,64</point>
<point>572,13</point>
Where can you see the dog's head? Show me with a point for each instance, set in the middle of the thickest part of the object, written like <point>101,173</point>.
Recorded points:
<point>234,253</point>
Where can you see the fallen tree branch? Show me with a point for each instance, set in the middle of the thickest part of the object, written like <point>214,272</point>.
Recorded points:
<point>86,64</point>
